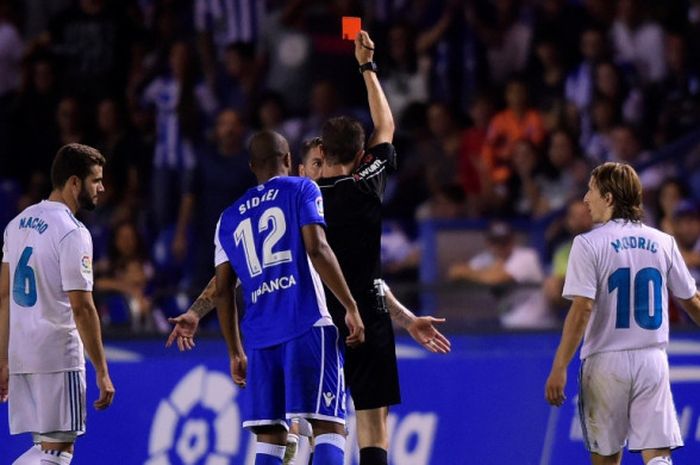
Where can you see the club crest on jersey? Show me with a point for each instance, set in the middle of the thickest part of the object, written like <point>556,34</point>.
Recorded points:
<point>319,205</point>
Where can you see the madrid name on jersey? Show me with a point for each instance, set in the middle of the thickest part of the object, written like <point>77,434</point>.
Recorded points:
<point>261,236</point>
<point>626,268</point>
<point>49,253</point>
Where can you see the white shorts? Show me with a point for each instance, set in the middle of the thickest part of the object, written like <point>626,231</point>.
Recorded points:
<point>47,403</point>
<point>626,397</point>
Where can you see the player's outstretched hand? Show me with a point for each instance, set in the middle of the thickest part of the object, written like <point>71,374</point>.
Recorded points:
<point>423,330</point>
<point>239,369</point>
<point>554,389</point>
<point>183,332</point>
<point>364,48</point>
<point>4,381</point>
<point>104,383</point>
<point>357,329</point>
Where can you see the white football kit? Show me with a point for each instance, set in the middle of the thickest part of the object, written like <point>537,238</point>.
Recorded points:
<point>625,395</point>
<point>49,253</point>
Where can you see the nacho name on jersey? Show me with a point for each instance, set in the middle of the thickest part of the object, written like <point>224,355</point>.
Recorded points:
<point>257,201</point>
<point>35,223</point>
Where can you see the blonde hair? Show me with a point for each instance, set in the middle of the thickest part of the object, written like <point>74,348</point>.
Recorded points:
<point>622,182</point>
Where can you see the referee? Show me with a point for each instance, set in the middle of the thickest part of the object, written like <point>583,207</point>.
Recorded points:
<point>352,184</point>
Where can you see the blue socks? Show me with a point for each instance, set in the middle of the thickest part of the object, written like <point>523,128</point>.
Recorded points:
<point>268,454</point>
<point>329,449</point>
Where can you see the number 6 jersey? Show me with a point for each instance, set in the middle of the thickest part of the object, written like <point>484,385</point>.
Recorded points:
<point>626,268</point>
<point>260,235</point>
<point>49,253</point>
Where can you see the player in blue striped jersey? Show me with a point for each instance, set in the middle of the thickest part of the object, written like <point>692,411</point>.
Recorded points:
<point>272,240</point>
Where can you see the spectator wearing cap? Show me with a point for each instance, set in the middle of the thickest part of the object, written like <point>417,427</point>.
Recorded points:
<point>686,230</point>
<point>515,273</point>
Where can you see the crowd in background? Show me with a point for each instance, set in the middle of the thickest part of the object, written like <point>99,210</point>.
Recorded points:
<point>502,107</point>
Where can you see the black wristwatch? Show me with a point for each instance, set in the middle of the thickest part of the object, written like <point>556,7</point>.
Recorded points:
<point>369,66</point>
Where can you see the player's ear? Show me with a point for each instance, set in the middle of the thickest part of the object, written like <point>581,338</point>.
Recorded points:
<point>287,160</point>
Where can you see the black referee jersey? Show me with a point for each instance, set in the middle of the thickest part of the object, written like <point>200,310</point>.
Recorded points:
<point>353,213</point>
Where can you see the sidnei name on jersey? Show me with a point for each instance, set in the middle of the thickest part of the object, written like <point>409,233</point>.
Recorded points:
<point>256,201</point>
<point>35,223</point>
<point>634,242</point>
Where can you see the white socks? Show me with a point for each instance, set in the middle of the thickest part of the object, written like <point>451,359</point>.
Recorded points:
<point>35,456</point>
<point>660,461</point>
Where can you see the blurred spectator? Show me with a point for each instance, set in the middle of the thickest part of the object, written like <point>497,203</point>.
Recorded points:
<point>507,40</point>
<point>400,255</point>
<point>271,113</point>
<point>127,272</point>
<point>638,41</point>
<point>627,148</point>
<point>285,54</point>
<point>566,176</point>
<point>522,194</point>
<point>238,83</point>
<point>560,22</point>
<point>473,173</point>
<point>127,161</point>
<point>610,83</point>
<point>679,94</point>
<point>38,13</point>
<point>578,221</point>
<point>220,23</point>
<point>518,121</point>
<point>93,39</point>
<point>546,83</point>
<point>686,230</point>
<point>324,103</point>
<point>448,36</point>
<point>10,54</point>
<point>516,270</point>
<point>441,152</point>
<point>405,76</point>
<point>182,104</point>
<point>34,112</point>
<point>447,202</point>
<point>222,176</point>
<point>579,82</point>
<point>597,142</point>
<point>670,194</point>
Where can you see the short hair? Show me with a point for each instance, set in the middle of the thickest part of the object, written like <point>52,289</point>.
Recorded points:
<point>343,138</point>
<point>307,146</point>
<point>267,147</point>
<point>74,160</point>
<point>622,182</point>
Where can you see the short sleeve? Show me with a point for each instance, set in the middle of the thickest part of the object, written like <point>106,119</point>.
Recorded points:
<point>75,261</point>
<point>374,168</point>
<point>580,280</point>
<point>311,204</point>
<point>5,251</point>
<point>680,282</point>
<point>524,266</point>
<point>219,252</point>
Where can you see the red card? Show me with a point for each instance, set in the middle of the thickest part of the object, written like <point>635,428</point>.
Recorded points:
<point>352,25</point>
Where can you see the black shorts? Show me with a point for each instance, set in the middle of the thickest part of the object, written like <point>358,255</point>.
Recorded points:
<point>371,372</point>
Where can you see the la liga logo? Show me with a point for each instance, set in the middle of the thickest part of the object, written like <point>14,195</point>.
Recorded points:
<point>199,423</point>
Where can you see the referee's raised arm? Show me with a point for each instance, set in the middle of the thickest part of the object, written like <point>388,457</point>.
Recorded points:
<point>378,105</point>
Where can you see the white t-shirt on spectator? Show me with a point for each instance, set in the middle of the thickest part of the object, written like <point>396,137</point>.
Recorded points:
<point>525,306</point>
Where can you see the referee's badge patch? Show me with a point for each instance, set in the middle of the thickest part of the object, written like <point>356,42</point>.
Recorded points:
<point>319,205</point>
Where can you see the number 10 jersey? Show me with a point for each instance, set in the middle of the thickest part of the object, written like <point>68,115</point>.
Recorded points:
<point>626,268</point>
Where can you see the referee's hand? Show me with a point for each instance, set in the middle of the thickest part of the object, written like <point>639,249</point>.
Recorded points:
<point>356,328</point>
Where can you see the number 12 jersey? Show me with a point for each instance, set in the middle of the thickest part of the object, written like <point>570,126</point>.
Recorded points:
<point>261,236</point>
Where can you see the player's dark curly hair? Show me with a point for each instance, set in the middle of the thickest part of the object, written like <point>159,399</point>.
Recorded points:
<point>622,182</point>
<point>343,138</point>
<point>74,160</point>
